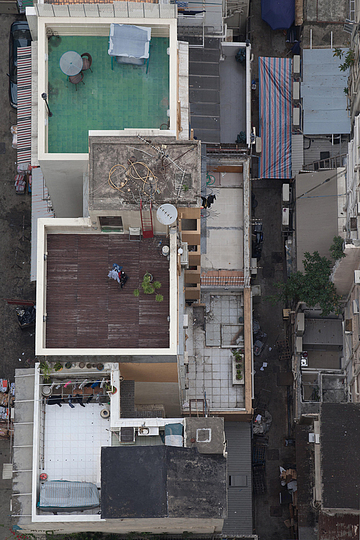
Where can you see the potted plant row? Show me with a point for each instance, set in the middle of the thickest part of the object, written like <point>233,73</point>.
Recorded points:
<point>149,286</point>
<point>238,366</point>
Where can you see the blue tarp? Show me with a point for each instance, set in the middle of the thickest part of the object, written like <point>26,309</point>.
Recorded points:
<point>279,14</point>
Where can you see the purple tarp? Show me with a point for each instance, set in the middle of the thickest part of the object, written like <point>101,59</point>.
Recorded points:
<point>275,117</point>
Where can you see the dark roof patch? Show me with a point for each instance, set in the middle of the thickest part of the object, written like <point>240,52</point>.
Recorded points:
<point>340,458</point>
<point>162,481</point>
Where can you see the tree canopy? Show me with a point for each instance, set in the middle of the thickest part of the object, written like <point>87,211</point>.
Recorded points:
<point>313,286</point>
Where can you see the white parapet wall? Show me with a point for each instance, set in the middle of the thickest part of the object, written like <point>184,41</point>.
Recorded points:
<point>83,226</point>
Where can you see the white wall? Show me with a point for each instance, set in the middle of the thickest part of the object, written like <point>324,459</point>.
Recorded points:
<point>64,180</point>
<point>159,393</point>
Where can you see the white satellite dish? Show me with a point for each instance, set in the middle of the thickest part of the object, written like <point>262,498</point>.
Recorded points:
<point>166,214</point>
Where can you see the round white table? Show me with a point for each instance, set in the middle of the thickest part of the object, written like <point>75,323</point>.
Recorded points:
<point>71,63</point>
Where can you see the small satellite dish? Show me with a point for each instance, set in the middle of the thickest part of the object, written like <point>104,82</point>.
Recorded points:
<point>166,214</point>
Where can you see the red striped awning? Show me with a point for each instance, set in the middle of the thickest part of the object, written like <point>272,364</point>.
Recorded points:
<point>24,105</point>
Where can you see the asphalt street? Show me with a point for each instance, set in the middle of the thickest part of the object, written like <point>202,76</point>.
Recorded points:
<point>16,346</point>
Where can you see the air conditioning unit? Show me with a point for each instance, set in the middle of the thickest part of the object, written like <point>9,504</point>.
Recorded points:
<point>127,435</point>
<point>186,321</point>
<point>296,64</point>
<point>286,193</point>
<point>357,276</point>
<point>144,431</point>
<point>358,208</point>
<point>184,257</point>
<point>285,217</point>
<point>296,117</point>
<point>355,307</point>
<point>298,344</point>
<point>258,145</point>
<point>296,90</point>
<point>186,357</point>
<point>300,324</point>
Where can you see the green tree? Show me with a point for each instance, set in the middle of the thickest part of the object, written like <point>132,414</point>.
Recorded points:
<point>336,248</point>
<point>313,286</point>
<point>349,58</point>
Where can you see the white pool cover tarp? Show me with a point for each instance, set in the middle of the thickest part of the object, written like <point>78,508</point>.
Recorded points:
<point>67,495</point>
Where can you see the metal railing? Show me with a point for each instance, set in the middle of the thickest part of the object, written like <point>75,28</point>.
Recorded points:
<point>327,163</point>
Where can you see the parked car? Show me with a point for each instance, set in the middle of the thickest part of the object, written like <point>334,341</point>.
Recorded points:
<point>20,36</point>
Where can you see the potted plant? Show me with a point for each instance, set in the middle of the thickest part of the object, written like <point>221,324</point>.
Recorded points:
<point>45,370</point>
<point>149,287</point>
<point>237,366</point>
<point>58,366</point>
<point>110,389</point>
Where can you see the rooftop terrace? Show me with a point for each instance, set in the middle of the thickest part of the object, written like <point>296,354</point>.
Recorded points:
<point>85,309</point>
<point>113,97</point>
<point>162,169</point>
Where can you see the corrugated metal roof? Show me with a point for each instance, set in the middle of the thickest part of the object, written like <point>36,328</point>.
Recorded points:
<point>322,91</point>
<point>239,520</point>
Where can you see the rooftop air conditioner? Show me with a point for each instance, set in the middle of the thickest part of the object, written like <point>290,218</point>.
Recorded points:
<point>357,276</point>
<point>286,193</point>
<point>258,145</point>
<point>127,435</point>
<point>296,117</point>
<point>296,90</point>
<point>296,64</point>
<point>148,431</point>
<point>355,307</point>
<point>300,324</point>
<point>285,217</point>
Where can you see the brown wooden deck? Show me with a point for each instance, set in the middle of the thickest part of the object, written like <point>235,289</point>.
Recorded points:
<point>86,309</point>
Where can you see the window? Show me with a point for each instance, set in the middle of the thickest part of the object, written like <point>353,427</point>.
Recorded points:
<point>111,224</point>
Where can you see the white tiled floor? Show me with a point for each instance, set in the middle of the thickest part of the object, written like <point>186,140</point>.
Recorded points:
<point>224,244</point>
<point>210,366</point>
<point>73,440</point>
<point>222,310</point>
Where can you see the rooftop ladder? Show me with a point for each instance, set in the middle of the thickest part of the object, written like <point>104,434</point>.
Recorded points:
<point>146,221</point>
